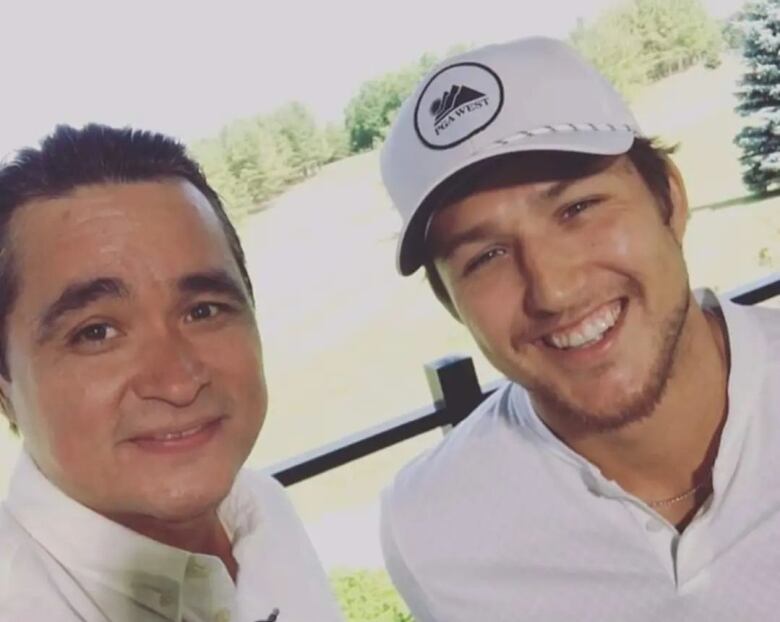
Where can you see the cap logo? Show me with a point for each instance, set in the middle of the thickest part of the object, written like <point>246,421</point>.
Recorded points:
<point>457,102</point>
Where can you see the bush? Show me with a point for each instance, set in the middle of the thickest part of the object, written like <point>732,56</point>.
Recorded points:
<point>369,596</point>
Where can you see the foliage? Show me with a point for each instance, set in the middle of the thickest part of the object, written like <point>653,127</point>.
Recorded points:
<point>336,142</point>
<point>368,596</point>
<point>733,33</point>
<point>635,43</point>
<point>252,160</point>
<point>370,113</point>
<point>759,96</point>
<point>644,40</point>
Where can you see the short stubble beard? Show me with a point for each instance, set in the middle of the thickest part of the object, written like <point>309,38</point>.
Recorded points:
<point>637,406</point>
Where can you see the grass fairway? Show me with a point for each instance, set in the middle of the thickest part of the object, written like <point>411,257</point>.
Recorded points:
<point>345,337</point>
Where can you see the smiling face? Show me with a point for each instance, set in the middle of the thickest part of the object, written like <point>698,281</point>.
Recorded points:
<point>135,364</point>
<point>576,289</point>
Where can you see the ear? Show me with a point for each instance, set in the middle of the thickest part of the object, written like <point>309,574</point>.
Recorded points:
<point>678,197</point>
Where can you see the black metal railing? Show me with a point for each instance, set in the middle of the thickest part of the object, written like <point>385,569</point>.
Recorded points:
<point>456,391</point>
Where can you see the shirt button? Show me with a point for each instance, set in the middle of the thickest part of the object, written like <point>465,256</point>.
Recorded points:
<point>654,526</point>
<point>223,615</point>
<point>196,569</point>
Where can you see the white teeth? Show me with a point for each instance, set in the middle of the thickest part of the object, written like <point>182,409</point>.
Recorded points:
<point>174,436</point>
<point>587,332</point>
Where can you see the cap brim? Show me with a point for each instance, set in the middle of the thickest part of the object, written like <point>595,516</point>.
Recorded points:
<point>411,243</point>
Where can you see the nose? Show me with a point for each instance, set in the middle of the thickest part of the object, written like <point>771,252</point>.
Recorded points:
<point>170,370</point>
<point>554,277</point>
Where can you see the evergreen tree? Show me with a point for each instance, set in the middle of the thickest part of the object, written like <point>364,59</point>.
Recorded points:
<point>760,96</point>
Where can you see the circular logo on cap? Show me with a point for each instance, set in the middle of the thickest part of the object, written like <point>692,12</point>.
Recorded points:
<point>457,102</point>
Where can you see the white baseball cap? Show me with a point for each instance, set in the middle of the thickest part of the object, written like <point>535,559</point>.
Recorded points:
<point>526,95</point>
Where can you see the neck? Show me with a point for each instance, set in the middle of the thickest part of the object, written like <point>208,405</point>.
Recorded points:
<point>673,450</point>
<point>203,534</point>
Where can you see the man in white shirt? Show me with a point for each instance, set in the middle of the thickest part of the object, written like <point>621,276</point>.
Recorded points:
<point>130,364</point>
<point>629,469</point>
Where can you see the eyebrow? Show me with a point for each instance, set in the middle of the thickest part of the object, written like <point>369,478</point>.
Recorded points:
<point>77,296</point>
<point>480,232</point>
<point>557,189</point>
<point>213,282</point>
<point>472,234</point>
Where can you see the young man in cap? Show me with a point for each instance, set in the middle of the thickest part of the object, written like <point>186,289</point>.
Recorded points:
<point>130,362</point>
<point>629,468</point>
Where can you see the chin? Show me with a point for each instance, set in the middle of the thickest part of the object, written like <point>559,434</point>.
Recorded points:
<point>184,506</point>
<point>182,498</point>
<point>609,408</point>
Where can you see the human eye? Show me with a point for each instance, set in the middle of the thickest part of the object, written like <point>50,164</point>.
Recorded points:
<point>206,310</point>
<point>482,259</point>
<point>577,207</point>
<point>95,333</point>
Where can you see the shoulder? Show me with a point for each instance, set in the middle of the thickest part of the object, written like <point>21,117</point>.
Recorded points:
<point>493,438</point>
<point>260,489</point>
<point>21,561</point>
<point>746,321</point>
<point>29,589</point>
<point>261,483</point>
<point>754,333</point>
<point>463,448</point>
<point>755,356</point>
<point>768,321</point>
<point>446,497</point>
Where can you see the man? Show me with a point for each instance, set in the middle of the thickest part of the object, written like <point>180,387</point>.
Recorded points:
<point>629,469</point>
<point>130,363</point>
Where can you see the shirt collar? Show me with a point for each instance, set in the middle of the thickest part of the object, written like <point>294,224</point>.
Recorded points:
<point>101,552</point>
<point>748,356</point>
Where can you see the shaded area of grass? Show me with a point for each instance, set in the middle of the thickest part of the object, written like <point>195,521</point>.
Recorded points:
<point>743,200</point>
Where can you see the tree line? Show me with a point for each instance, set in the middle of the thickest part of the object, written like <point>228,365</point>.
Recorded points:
<point>640,42</point>
<point>637,42</point>
<point>252,160</point>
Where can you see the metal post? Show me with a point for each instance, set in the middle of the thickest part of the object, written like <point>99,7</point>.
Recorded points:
<point>455,388</point>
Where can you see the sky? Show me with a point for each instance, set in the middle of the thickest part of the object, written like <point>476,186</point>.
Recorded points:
<point>187,67</point>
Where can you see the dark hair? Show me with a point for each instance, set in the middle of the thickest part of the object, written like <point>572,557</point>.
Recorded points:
<point>648,157</point>
<point>96,154</point>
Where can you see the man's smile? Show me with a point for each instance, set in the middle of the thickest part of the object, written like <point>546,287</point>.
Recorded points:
<point>588,330</point>
<point>178,438</point>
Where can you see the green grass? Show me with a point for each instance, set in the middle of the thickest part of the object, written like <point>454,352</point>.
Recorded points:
<point>368,596</point>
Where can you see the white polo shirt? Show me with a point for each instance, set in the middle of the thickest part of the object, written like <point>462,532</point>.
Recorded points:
<point>502,522</point>
<point>60,561</point>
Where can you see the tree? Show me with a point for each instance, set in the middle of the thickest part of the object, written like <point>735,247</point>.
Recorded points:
<point>644,40</point>
<point>675,34</point>
<point>212,157</point>
<point>759,96</point>
<point>296,125</point>
<point>733,35</point>
<point>336,142</point>
<point>370,113</point>
<point>613,47</point>
<point>254,159</point>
